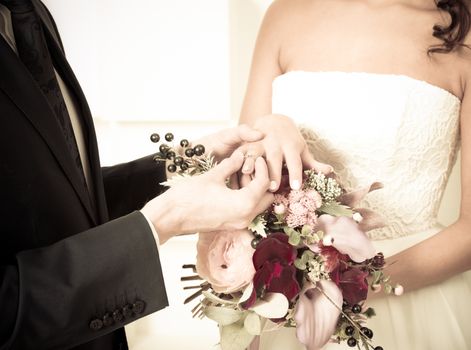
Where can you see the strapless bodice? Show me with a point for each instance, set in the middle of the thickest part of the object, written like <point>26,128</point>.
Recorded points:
<point>370,127</point>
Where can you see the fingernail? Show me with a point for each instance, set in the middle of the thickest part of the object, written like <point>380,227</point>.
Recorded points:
<point>245,168</point>
<point>330,169</point>
<point>273,185</point>
<point>295,185</point>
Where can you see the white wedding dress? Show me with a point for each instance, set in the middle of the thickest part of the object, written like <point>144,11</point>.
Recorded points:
<point>404,133</point>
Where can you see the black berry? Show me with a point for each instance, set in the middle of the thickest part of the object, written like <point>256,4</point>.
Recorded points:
<point>367,332</point>
<point>351,342</point>
<point>189,152</point>
<point>356,309</point>
<point>178,161</point>
<point>254,243</point>
<point>184,143</point>
<point>172,168</point>
<point>184,166</point>
<point>163,148</point>
<point>155,138</point>
<point>349,330</point>
<point>169,136</point>
<point>199,150</point>
<point>170,155</point>
<point>379,348</point>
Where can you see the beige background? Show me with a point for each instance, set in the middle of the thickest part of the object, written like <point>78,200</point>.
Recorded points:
<point>181,66</point>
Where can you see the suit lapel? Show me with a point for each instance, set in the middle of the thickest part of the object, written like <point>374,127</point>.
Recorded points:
<point>19,85</point>
<point>68,76</point>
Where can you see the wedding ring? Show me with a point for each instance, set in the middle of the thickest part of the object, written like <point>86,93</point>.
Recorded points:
<point>249,155</point>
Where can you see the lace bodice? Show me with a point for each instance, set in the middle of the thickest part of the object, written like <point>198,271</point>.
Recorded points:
<point>370,127</point>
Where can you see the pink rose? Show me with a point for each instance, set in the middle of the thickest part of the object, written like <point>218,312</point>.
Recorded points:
<point>225,259</point>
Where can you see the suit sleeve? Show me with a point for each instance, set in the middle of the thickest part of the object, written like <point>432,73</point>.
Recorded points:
<point>82,287</point>
<point>129,186</point>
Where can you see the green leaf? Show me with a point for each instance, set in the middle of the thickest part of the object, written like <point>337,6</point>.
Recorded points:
<point>252,324</point>
<point>306,230</point>
<point>370,312</point>
<point>289,230</point>
<point>307,255</point>
<point>258,225</point>
<point>294,238</point>
<point>388,288</point>
<point>235,337</point>
<point>336,209</point>
<point>223,315</point>
<point>300,264</point>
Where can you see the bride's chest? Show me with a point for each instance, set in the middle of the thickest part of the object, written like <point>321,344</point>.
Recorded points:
<point>354,39</point>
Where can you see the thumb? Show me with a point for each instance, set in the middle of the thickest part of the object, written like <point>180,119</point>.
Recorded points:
<point>229,166</point>
<point>248,134</point>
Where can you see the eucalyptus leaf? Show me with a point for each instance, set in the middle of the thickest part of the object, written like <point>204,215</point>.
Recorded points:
<point>294,238</point>
<point>300,264</point>
<point>223,315</point>
<point>252,324</point>
<point>217,300</point>
<point>289,230</point>
<point>235,337</point>
<point>306,230</point>
<point>308,255</point>
<point>336,209</point>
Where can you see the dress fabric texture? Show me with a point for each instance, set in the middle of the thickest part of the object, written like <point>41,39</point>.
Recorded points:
<point>404,133</point>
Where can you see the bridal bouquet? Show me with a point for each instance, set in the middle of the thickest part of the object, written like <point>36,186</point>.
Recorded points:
<point>305,263</point>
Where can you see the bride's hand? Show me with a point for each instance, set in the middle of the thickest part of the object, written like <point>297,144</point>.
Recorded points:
<point>283,143</point>
<point>223,143</point>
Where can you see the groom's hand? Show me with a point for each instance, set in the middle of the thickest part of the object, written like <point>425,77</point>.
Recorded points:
<point>223,143</point>
<point>205,203</point>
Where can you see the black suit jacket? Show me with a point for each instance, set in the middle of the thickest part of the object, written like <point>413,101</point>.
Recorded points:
<point>69,277</point>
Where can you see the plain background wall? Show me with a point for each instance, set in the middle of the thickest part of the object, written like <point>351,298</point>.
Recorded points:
<point>181,66</point>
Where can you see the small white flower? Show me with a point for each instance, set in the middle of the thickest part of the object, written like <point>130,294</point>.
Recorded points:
<point>357,217</point>
<point>280,209</point>
<point>398,290</point>
<point>328,240</point>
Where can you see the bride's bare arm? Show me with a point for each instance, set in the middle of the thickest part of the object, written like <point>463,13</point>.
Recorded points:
<point>283,141</point>
<point>448,252</point>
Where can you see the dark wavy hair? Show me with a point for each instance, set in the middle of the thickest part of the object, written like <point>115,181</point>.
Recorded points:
<point>453,35</point>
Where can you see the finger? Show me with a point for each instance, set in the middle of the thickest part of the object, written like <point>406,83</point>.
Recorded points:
<point>229,166</point>
<point>310,163</point>
<point>234,182</point>
<point>275,164</point>
<point>264,203</point>
<point>295,168</point>
<point>249,165</point>
<point>260,182</point>
<point>245,180</point>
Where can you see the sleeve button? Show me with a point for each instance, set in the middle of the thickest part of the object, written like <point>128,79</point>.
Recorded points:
<point>127,310</point>
<point>108,320</point>
<point>118,316</point>
<point>138,307</point>
<point>96,324</point>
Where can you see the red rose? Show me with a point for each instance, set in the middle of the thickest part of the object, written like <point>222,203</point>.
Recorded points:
<point>354,285</point>
<point>275,273</point>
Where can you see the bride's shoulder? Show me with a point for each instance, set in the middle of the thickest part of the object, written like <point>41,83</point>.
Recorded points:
<point>282,12</point>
